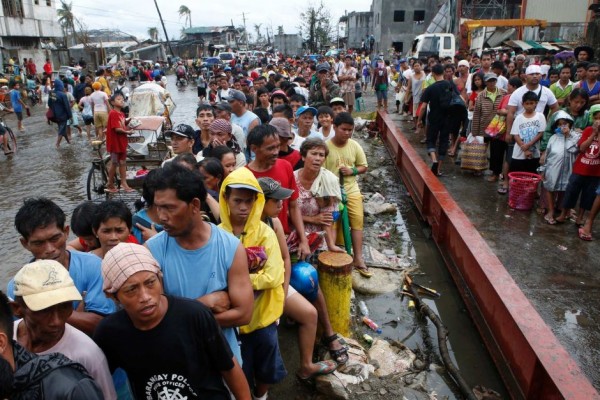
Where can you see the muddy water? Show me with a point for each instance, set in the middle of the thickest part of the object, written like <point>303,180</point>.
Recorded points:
<point>410,238</point>
<point>38,169</point>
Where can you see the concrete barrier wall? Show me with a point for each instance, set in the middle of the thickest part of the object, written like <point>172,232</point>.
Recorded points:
<point>532,362</point>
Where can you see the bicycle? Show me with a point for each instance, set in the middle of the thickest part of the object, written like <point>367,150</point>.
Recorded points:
<point>11,140</point>
<point>97,178</point>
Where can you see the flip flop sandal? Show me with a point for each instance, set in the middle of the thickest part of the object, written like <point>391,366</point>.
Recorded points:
<point>111,190</point>
<point>340,356</point>
<point>364,272</point>
<point>325,368</point>
<point>502,190</point>
<point>549,220</point>
<point>584,236</point>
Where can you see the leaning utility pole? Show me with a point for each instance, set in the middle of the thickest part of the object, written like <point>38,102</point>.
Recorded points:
<point>245,31</point>
<point>164,29</point>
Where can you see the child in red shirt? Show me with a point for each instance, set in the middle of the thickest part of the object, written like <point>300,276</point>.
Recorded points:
<point>116,144</point>
<point>586,173</point>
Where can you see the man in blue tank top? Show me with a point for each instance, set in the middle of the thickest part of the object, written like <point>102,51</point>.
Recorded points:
<point>199,260</point>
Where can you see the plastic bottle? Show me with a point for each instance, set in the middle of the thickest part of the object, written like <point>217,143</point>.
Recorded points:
<point>363,308</point>
<point>371,324</point>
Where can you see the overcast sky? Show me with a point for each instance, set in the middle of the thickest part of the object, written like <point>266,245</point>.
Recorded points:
<point>135,17</point>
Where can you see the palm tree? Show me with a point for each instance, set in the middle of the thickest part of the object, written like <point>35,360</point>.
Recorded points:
<point>153,33</point>
<point>66,19</point>
<point>187,13</point>
<point>257,29</point>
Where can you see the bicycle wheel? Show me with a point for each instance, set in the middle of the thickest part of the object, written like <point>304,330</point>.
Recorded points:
<point>12,140</point>
<point>96,183</point>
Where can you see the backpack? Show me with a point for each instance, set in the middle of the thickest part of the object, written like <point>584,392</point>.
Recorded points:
<point>180,70</point>
<point>445,98</point>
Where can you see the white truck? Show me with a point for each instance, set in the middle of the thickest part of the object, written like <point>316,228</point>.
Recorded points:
<point>440,44</point>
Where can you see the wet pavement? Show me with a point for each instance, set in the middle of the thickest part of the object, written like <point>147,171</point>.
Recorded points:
<point>556,270</point>
<point>39,169</point>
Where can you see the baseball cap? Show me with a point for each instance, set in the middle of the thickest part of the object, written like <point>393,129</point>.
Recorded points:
<point>489,76</point>
<point>533,69</point>
<point>283,127</point>
<point>337,100</point>
<point>227,69</point>
<point>181,130</point>
<point>323,67</point>
<point>124,260</point>
<point>402,60</point>
<point>45,283</point>
<point>463,63</point>
<point>243,186</point>
<point>223,106</point>
<point>303,109</point>
<point>236,95</point>
<point>273,190</point>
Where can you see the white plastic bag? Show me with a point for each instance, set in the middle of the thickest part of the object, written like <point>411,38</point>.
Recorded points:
<point>471,138</point>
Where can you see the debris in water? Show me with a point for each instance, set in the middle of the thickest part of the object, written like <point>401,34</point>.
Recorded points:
<point>371,324</point>
<point>561,247</point>
<point>368,338</point>
<point>363,308</point>
<point>384,235</point>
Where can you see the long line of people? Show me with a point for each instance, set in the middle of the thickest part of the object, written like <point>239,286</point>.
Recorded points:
<point>528,113</point>
<point>185,296</point>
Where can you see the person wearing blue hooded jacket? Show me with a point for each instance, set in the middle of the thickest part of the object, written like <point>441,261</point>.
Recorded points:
<point>61,109</point>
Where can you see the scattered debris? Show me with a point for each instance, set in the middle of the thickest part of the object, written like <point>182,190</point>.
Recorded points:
<point>390,359</point>
<point>377,205</point>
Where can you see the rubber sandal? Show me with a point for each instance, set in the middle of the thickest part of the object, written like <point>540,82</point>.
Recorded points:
<point>549,220</point>
<point>325,368</point>
<point>111,190</point>
<point>340,356</point>
<point>129,190</point>
<point>502,190</point>
<point>584,236</point>
<point>364,272</point>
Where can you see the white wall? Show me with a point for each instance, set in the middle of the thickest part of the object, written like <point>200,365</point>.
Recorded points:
<point>557,10</point>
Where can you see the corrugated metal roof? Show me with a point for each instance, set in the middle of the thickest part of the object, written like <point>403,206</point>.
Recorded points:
<point>534,44</point>
<point>518,43</point>
<point>206,29</point>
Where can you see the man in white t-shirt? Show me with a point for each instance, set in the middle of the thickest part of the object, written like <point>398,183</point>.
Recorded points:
<point>545,96</point>
<point>44,295</point>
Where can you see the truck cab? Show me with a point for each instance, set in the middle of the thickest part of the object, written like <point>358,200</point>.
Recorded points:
<point>440,44</point>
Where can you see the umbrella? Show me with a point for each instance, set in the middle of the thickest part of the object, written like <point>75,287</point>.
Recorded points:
<point>345,218</point>
<point>564,54</point>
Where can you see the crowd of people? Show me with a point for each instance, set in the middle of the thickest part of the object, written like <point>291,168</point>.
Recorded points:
<point>533,114</point>
<point>186,294</point>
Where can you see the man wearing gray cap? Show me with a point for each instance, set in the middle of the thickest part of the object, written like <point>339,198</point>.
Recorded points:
<point>44,293</point>
<point>170,347</point>
<point>324,89</point>
<point>241,116</point>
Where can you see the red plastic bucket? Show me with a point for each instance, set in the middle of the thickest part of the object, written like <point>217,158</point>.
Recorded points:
<point>522,188</point>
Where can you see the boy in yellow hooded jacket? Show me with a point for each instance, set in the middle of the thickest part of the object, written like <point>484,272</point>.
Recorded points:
<point>241,201</point>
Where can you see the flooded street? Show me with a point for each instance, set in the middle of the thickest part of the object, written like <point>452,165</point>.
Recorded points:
<point>38,169</point>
